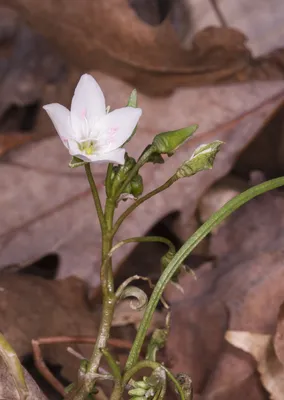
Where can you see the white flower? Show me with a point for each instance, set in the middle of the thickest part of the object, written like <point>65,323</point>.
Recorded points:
<point>88,131</point>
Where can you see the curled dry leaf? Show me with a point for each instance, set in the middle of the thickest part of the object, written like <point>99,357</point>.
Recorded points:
<point>111,37</point>
<point>56,212</point>
<point>125,315</point>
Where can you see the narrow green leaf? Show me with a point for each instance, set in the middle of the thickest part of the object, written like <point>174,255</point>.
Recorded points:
<point>185,250</point>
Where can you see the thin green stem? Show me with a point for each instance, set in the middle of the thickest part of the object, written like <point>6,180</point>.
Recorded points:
<point>137,367</point>
<point>176,383</point>
<point>107,291</point>
<point>165,186</point>
<point>96,196</point>
<point>184,251</point>
<point>143,239</point>
<point>106,222</point>
<point>116,374</point>
<point>142,160</point>
<point>108,179</point>
<point>112,364</point>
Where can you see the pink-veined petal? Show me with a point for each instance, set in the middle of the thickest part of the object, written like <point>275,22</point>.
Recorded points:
<point>115,156</point>
<point>117,127</point>
<point>88,102</point>
<point>60,117</point>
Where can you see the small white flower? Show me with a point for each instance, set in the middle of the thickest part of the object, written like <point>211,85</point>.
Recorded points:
<point>88,131</point>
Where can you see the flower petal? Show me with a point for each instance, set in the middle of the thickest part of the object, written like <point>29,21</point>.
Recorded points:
<point>115,156</point>
<point>88,101</point>
<point>117,127</point>
<point>60,116</point>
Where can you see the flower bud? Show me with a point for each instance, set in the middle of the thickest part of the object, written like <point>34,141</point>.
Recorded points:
<point>202,159</point>
<point>137,392</point>
<point>168,142</point>
<point>137,186</point>
<point>119,174</point>
<point>141,384</point>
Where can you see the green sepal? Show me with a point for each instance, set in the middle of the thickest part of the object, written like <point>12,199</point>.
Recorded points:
<point>154,157</point>
<point>120,173</point>
<point>203,158</point>
<point>169,142</point>
<point>132,102</point>
<point>77,162</point>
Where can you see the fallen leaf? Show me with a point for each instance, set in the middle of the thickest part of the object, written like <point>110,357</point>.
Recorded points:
<point>32,307</point>
<point>261,348</point>
<point>278,339</point>
<point>57,214</point>
<point>111,37</point>
<point>264,34</point>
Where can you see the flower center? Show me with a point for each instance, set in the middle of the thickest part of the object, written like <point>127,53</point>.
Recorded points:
<point>88,147</point>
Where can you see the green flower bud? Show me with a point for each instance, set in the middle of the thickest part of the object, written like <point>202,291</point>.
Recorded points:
<point>141,384</point>
<point>137,186</point>
<point>202,159</point>
<point>168,142</point>
<point>137,392</point>
<point>119,174</point>
<point>138,398</point>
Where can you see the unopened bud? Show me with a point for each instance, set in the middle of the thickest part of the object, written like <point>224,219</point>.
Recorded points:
<point>168,142</point>
<point>203,158</point>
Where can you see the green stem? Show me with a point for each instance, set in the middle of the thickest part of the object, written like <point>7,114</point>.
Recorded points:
<point>106,222</point>
<point>137,367</point>
<point>166,185</point>
<point>108,179</point>
<point>107,291</point>
<point>116,374</point>
<point>143,239</point>
<point>142,160</point>
<point>184,251</point>
<point>95,196</point>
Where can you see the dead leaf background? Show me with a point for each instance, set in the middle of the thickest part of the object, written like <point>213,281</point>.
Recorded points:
<point>115,40</point>
<point>48,208</point>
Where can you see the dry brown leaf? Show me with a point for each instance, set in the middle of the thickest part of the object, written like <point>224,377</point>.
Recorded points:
<point>264,34</point>
<point>28,66</point>
<point>32,307</point>
<point>261,348</point>
<point>109,36</point>
<point>48,208</point>
<point>278,339</point>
